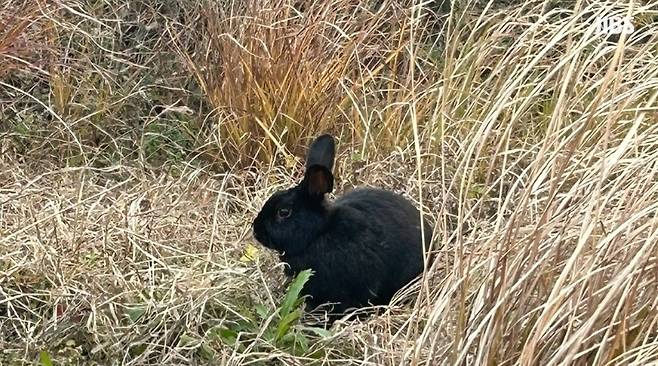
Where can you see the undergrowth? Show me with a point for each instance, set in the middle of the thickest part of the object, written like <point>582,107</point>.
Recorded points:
<point>138,140</point>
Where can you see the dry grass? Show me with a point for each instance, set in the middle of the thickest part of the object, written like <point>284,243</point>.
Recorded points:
<point>138,142</point>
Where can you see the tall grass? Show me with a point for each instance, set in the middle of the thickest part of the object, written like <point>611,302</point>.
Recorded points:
<point>275,72</point>
<point>129,177</point>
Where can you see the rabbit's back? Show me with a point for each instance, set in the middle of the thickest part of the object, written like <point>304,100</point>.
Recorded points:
<point>384,206</point>
<point>371,249</point>
<point>395,221</point>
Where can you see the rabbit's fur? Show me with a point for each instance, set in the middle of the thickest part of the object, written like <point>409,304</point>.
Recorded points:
<point>362,248</point>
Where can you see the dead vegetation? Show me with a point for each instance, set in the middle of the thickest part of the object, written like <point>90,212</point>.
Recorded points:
<point>139,139</point>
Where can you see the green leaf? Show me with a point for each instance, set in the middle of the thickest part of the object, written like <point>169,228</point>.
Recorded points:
<point>296,343</point>
<point>44,358</point>
<point>135,313</point>
<point>137,349</point>
<point>269,334</point>
<point>262,311</point>
<point>245,325</point>
<point>186,340</point>
<point>206,352</point>
<point>318,354</point>
<point>285,323</point>
<point>293,292</point>
<point>227,335</point>
<point>356,157</point>
<point>301,344</point>
<point>321,332</point>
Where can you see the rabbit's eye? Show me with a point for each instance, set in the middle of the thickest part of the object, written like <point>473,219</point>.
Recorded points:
<point>283,213</point>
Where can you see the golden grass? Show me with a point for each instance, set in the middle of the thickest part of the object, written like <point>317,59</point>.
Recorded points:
<point>274,74</point>
<point>128,185</point>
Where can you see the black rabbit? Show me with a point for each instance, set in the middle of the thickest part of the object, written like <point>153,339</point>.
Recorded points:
<point>362,248</point>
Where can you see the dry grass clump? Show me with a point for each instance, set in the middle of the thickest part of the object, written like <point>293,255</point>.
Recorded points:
<point>130,176</point>
<point>277,71</point>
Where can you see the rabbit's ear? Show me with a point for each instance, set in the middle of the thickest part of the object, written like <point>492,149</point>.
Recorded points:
<point>318,180</point>
<point>322,152</point>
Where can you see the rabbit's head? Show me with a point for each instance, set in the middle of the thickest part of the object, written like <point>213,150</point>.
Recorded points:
<point>291,219</point>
